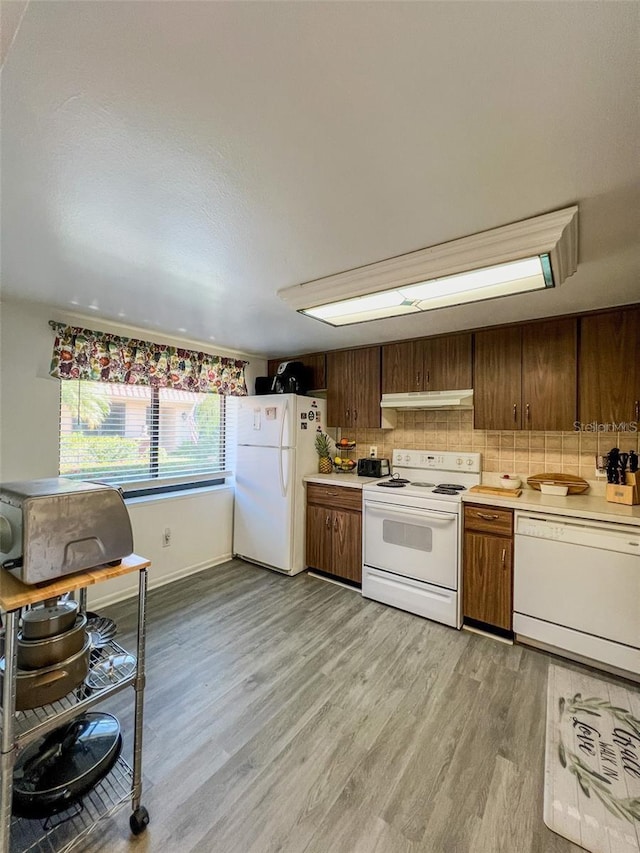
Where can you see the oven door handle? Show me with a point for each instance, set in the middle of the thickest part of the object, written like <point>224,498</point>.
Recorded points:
<point>385,510</point>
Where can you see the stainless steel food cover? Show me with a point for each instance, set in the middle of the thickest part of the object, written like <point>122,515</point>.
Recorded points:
<point>53,527</point>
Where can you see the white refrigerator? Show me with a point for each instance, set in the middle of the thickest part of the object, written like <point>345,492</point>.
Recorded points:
<point>276,449</point>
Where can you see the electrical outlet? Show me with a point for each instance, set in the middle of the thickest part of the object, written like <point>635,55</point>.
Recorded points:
<point>166,537</point>
<point>373,451</point>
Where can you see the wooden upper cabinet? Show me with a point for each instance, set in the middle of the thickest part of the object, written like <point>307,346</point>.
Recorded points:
<point>427,364</point>
<point>315,363</point>
<point>353,388</point>
<point>402,367</point>
<point>549,374</point>
<point>364,388</point>
<point>447,363</point>
<point>497,379</point>
<point>609,377</point>
<point>338,372</point>
<point>525,376</point>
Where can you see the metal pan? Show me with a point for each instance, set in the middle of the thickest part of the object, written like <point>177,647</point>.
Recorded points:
<point>42,686</point>
<point>55,617</point>
<point>37,654</point>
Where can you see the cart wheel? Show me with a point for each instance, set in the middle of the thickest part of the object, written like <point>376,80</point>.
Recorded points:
<point>139,820</point>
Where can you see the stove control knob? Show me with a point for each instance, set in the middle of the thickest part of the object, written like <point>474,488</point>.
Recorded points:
<point>469,462</point>
<point>459,461</point>
<point>407,458</point>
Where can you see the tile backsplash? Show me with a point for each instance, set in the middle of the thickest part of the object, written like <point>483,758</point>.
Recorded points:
<point>521,452</point>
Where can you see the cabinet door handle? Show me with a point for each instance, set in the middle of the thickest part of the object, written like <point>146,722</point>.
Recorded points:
<point>428,373</point>
<point>515,411</point>
<point>417,380</point>
<point>355,414</point>
<point>347,418</point>
<point>335,523</point>
<point>637,410</point>
<point>504,557</point>
<point>528,412</point>
<point>488,517</point>
<point>327,522</point>
<point>332,494</point>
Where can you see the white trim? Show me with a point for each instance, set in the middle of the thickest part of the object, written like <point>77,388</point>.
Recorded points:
<point>123,595</point>
<point>554,233</point>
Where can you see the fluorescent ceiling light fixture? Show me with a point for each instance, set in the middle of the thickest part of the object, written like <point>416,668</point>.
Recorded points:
<point>531,255</point>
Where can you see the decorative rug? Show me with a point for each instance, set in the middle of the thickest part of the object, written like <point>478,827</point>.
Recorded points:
<point>592,768</point>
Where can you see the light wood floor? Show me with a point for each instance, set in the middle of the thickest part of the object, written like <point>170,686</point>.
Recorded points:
<point>290,714</point>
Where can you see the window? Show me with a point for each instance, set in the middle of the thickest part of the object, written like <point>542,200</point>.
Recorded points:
<point>127,434</point>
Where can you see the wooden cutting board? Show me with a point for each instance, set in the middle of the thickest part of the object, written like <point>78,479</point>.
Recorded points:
<point>575,484</point>
<point>496,490</point>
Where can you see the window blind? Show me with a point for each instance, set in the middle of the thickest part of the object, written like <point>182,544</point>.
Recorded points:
<point>121,434</point>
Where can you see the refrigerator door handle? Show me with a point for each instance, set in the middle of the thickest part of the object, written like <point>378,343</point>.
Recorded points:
<point>283,485</point>
<point>285,412</point>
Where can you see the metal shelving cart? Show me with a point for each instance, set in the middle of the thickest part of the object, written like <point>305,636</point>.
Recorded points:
<point>19,728</point>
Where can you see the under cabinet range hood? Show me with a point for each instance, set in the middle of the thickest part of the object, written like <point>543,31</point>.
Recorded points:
<point>420,400</point>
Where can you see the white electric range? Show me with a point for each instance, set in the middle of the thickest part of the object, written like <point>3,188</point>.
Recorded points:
<point>412,532</point>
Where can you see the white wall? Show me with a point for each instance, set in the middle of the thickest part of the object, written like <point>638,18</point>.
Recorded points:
<point>201,536</point>
<point>201,524</point>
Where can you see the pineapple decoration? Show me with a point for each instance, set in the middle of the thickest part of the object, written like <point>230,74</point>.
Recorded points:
<point>323,449</point>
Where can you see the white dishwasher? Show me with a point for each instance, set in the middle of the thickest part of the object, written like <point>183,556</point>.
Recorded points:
<point>577,588</point>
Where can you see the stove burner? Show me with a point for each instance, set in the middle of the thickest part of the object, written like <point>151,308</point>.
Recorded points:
<point>423,485</point>
<point>441,491</point>
<point>398,479</point>
<point>393,484</point>
<point>453,486</point>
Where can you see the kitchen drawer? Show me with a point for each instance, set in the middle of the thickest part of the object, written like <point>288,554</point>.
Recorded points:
<point>334,497</point>
<point>488,519</point>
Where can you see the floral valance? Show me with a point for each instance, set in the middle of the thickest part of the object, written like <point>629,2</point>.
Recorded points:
<point>101,357</point>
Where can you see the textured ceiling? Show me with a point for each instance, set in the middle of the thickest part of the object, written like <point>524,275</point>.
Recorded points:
<point>172,165</point>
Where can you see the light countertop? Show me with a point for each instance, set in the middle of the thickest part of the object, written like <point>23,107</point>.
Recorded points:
<point>592,506</point>
<point>350,480</point>
<point>589,505</point>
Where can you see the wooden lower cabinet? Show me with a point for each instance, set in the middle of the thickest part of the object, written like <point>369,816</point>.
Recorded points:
<point>487,566</point>
<point>334,535</point>
<point>319,537</point>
